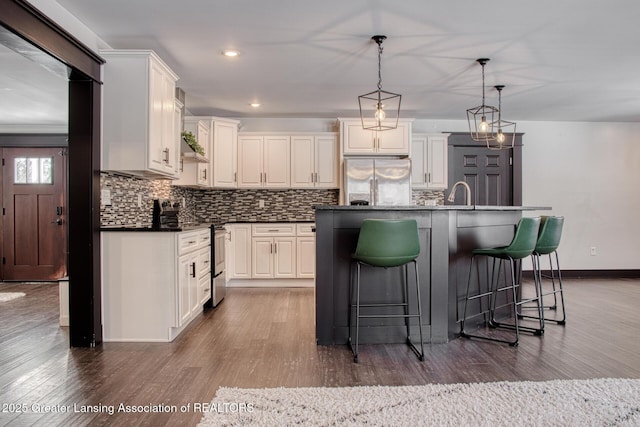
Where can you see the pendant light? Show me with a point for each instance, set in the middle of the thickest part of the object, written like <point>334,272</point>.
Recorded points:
<point>502,141</point>
<point>379,110</point>
<point>481,119</point>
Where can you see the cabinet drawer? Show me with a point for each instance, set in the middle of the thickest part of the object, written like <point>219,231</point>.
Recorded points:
<point>204,289</point>
<point>204,238</point>
<point>259,230</point>
<point>204,262</point>
<point>306,229</point>
<point>187,242</point>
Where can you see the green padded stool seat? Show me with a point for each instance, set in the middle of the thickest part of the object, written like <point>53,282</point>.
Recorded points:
<point>522,245</point>
<point>386,244</point>
<point>547,244</point>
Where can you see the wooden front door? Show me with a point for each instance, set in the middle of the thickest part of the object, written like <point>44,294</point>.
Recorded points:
<point>34,220</point>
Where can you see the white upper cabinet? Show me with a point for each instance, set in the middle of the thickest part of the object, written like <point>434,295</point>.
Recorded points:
<point>314,161</point>
<point>429,161</point>
<point>356,140</point>
<point>225,153</point>
<point>139,134</point>
<point>263,161</point>
<point>196,168</point>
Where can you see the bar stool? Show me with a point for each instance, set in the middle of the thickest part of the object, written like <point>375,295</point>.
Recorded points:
<point>386,244</point>
<point>547,244</point>
<point>521,246</point>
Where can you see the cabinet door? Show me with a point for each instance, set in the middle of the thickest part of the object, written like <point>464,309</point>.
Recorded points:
<point>204,169</point>
<point>302,161</point>
<point>177,130</point>
<point>284,257</point>
<point>419,176</point>
<point>238,255</point>
<point>156,106</point>
<point>225,149</point>
<point>262,257</point>
<point>306,257</point>
<point>186,283</point>
<point>326,162</point>
<point>393,141</point>
<point>357,140</point>
<point>169,144</point>
<point>437,160</point>
<point>250,172</point>
<point>276,161</point>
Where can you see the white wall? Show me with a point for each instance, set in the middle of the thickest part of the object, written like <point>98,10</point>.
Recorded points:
<point>589,173</point>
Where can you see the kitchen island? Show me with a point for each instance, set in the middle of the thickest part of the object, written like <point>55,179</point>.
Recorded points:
<point>447,235</point>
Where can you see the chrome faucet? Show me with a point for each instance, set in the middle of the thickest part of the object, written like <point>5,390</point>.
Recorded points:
<point>452,195</point>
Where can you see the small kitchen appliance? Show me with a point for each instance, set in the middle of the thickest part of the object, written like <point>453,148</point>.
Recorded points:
<point>165,214</point>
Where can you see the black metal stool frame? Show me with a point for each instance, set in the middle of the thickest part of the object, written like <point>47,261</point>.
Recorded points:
<point>405,305</point>
<point>537,267</point>
<point>492,293</point>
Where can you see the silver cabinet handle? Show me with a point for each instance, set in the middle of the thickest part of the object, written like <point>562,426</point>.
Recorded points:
<point>235,177</point>
<point>275,246</point>
<point>166,155</point>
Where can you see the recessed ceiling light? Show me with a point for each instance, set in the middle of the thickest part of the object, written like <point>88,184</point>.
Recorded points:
<point>230,53</point>
<point>255,104</point>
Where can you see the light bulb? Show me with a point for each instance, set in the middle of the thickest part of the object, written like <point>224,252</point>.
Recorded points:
<point>380,114</point>
<point>500,137</point>
<point>484,126</point>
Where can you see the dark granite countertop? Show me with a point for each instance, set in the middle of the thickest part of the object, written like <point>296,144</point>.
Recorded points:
<point>149,228</point>
<point>432,208</point>
<point>189,227</point>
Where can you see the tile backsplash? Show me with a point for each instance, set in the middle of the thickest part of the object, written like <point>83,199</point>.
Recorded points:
<point>208,206</point>
<point>216,206</point>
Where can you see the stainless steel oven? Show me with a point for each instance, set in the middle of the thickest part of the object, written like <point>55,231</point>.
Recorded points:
<point>218,284</point>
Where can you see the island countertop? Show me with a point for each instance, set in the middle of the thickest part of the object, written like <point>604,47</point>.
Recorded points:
<point>431,208</point>
<point>447,235</point>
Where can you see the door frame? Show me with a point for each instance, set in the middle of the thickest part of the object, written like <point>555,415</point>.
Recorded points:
<point>463,139</point>
<point>37,33</point>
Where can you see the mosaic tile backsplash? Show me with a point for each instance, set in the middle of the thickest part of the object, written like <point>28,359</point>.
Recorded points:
<point>216,206</point>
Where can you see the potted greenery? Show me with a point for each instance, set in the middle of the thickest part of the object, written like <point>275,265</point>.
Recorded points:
<point>190,139</point>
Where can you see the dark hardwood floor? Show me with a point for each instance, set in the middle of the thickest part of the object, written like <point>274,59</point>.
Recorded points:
<point>266,338</point>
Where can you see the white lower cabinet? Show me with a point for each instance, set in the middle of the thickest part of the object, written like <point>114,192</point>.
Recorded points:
<point>266,251</point>
<point>306,251</point>
<point>238,251</point>
<point>273,251</point>
<point>273,258</point>
<point>153,283</point>
<point>188,286</point>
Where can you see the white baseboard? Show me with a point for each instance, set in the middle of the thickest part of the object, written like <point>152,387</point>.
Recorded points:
<point>271,283</point>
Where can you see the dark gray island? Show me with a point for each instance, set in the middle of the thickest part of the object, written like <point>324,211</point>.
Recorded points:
<point>447,235</point>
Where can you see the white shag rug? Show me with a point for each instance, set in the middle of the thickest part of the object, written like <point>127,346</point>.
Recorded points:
<point>8,296</point>
<point>597,402</point>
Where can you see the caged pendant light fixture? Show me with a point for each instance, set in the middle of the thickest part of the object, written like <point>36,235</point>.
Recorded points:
<point>502,141</point>
<point>482,118</point>
<point>379,110</point>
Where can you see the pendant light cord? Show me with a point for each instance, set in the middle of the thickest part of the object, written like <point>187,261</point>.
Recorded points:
<point>482,84</point>
<point>379,66</point>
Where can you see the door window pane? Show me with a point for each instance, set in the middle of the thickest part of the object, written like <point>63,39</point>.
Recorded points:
<point>33,170</point>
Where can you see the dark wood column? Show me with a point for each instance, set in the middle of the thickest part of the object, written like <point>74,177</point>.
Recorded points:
<point>84,213</point>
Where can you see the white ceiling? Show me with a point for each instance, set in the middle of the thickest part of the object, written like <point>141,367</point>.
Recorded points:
<point>560,60</point>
